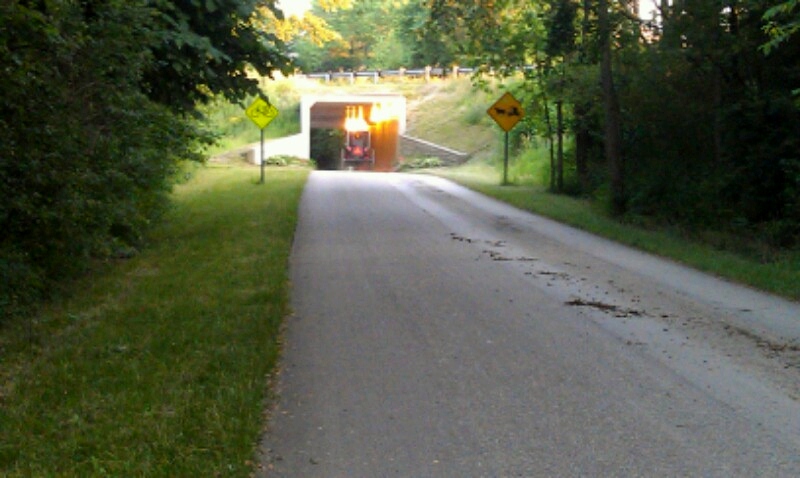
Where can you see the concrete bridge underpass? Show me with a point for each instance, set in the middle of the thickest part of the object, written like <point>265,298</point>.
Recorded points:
<point>386,116</point>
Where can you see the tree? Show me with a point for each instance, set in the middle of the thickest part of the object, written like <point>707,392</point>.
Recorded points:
<point>782,21</point>
<point>205,48</point>
<point>287,30</point>
<point>506,36</point>
<point>560,44</point>
<point>95,118</point>
<point>714,146</point>
<point>503,37</point>
<point>427,46</point>
<point>363,34</point>
<point>613,116</point>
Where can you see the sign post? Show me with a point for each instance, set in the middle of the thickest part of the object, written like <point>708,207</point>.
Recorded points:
<point>261,159</point>
<point>261,112</point>
<point>506,112</point>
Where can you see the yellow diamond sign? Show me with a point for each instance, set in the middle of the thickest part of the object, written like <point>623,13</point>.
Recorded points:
<point>506,111</point>
<point>261,112</point>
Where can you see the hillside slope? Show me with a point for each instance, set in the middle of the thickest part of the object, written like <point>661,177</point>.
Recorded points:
<point>452,113</point>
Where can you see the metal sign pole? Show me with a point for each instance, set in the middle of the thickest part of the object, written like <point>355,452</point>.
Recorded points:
<point>261,112</point>
<point>505,162</point>
<point>507,112</point>
<point>262,156</point>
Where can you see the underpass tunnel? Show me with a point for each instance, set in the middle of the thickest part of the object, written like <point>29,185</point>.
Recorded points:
<point>326,122</point>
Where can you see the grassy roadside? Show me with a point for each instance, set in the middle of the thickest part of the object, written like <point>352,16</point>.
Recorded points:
<point>779,277</point>
<point>159,366</point>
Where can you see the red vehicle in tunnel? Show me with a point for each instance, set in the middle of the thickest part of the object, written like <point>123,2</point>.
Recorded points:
<point>357,149</point>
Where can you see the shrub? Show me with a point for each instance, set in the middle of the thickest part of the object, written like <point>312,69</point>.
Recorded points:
<point>427,162</point>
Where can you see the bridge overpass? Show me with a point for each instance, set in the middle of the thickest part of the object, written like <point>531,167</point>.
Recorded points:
<point>385,113</point>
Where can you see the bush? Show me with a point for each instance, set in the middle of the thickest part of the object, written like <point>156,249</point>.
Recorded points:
<point>232,128</point>
<point>427,162</point>
<point>285,160</point>
<point>531,165</point>
<point>86,158</point>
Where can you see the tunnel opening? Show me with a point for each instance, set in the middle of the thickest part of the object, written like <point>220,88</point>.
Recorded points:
<point>353,132</point>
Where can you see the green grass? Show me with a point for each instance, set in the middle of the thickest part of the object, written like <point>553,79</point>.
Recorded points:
<point>158,365</point>
<point>781,277</point>
<point>453,114</point>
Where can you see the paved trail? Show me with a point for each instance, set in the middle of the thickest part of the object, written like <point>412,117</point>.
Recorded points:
<point>440,333</point>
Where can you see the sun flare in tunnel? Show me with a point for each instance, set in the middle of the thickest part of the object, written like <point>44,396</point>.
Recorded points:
<point>354,119</point>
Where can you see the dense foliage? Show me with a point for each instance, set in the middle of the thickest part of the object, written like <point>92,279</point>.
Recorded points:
<point>372,34</point>
<point>687,114</point>
<point>712,131</point>
<point>97,112</point>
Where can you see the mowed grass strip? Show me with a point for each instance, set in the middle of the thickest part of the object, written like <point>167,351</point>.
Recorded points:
<point>159,367</point>
<point>780,277</point>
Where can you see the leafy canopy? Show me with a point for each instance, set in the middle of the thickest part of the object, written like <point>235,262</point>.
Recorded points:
<point>97,114</point>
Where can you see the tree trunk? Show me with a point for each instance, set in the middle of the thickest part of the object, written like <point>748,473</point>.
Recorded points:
<point>549,124</point>
<point>719,122</point>
<point>560,139</point>
<point>585,30</point>
<point>582,143</point>
<point>613,117</point>
<point>550,141</point>
<point>581,110</point>
<point>669,37</point>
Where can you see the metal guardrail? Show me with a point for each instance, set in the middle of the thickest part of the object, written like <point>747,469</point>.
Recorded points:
<point>376,75</point>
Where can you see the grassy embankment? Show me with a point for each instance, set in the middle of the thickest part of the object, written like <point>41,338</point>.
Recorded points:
<point>158,365</point>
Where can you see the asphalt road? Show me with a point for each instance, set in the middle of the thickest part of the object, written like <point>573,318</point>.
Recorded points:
<point>440,333</point>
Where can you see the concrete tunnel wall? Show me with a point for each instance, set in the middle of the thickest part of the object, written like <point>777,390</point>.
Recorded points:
<point>328,111</point>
